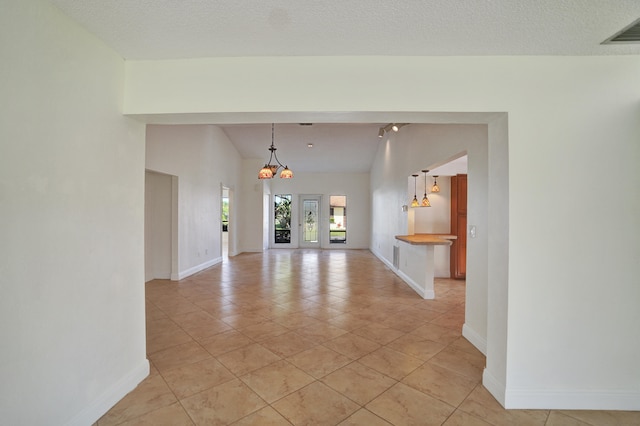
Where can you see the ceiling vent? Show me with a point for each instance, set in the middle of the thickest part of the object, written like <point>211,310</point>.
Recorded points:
<point>630,34</point>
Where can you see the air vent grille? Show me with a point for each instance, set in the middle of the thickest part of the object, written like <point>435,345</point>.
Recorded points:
<point>630,34</point>
<point>396,257</point>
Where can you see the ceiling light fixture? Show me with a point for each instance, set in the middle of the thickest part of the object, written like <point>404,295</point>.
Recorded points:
<point>269,170</point>
<point>425,199</point>
<point>390,127</point>
<point>414,202</point>
<point>435,187</point>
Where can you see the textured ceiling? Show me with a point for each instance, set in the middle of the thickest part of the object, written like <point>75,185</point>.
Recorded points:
<point>171,29</point>
<point>175,29</point>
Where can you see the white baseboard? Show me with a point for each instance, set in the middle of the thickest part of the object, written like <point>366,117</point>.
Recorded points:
<point>495,387</point>
<point>544,399</point>
<point>381,258</point>
<point>474,338</point>
<point>430,294</point>
<point>572,400</point>
<point>254,250</point>
<point>111,396</point>
<point>425,294</point>
<point>195,269</point>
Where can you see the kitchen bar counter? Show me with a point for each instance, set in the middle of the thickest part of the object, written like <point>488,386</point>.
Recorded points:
<point>415,263</point>
<point>427,239</point>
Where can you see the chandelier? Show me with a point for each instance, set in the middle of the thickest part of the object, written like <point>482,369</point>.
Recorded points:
<point>269,170</point>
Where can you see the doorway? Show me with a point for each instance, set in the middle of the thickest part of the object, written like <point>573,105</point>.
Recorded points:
<point>310,223</point>
<point>160,236</point>
<point>225,209</point>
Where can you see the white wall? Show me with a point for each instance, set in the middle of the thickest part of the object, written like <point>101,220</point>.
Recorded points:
<point>437,218</point>
<point>71,223</point>
<point>254,217</point>
<point>567,291</point>
<point>418,147</point>
<point>495,372</point>
<point>433,220</point>
<point>203,159</point>
<point>354,185</point>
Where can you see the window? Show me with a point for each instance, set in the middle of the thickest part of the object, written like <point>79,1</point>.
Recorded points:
<point>282,218</point>
<point>338,219</point>
<point>225,214</point>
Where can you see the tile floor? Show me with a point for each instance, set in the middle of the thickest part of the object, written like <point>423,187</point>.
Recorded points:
<point>304,337</point>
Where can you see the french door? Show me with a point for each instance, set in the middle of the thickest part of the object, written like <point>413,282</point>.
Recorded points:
<point>310,221</point>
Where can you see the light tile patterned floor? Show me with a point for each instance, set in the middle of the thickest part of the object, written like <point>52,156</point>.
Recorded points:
<point>326,337</point>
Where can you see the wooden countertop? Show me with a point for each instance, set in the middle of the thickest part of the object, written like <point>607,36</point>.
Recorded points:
<point>427,239</point>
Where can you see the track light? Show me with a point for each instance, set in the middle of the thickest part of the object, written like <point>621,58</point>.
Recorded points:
<point>391,127</point>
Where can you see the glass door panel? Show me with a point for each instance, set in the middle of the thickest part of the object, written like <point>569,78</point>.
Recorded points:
<point>337,219</point>
<point>282,218</point>
<point>309,221</point>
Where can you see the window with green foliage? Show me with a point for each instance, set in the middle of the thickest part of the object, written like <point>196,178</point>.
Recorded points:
<point>338,219</point>
<point>225,214</point>
<point>282,218</point>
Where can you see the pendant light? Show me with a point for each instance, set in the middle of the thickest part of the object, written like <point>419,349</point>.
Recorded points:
<point>269,170</point>
<point>414,202</point>
<point>425,199</point>
<point>435,187</point>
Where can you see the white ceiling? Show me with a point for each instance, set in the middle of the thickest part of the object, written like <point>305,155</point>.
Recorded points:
<point>451,168</point>
<point>172,29</point>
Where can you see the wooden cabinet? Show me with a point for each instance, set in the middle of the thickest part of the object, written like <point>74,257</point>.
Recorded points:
<point>458,257</point>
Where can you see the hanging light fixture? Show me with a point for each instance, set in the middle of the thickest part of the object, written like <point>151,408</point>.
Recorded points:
<point>414,202</point>
<point>269,170</point>
<point>435,187</point>
<point>425,199</point>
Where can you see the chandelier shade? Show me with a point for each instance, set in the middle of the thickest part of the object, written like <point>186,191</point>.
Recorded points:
<point>265,173</point>
<point>286,173</point>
